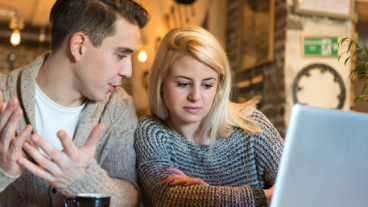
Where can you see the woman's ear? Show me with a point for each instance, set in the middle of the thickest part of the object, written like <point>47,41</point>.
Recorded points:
<point>77,42</point>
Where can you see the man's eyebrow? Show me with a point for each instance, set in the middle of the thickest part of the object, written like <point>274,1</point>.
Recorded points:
<point>125,50</point>
<point>185,77</point>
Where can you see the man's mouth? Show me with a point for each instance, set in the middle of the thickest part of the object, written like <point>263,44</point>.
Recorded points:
<point>112,88</point>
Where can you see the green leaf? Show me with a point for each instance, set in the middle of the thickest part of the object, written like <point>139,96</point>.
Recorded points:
<point>356,99</point>
<point>360,98</point>
<point>351,43</point>
<point>343,40</point>
<point>346,60</point>
<point>356,51</point>
<point>340,56</point>
<point>365,85</point>
<point>365,51</point>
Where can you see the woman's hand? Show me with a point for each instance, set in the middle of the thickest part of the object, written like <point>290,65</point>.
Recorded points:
<point>269,193</point>
<point>181,179</point>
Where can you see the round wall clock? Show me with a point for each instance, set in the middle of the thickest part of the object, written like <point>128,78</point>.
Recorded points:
<point>319,85</point>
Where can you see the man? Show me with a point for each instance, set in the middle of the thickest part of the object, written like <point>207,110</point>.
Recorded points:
<point>52,109</point>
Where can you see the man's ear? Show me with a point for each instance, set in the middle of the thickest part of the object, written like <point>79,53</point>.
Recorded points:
<point>77,42</point>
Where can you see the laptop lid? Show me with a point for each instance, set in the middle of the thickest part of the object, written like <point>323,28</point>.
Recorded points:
<point>324,161</point>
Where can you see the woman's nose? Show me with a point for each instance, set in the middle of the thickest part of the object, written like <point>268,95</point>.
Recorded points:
<point>195,94</point>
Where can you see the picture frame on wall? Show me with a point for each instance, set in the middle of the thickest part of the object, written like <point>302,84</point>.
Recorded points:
<point>341,9</point>
<point>255,42</point>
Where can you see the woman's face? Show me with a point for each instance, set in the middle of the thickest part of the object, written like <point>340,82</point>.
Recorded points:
<point>189,90</point>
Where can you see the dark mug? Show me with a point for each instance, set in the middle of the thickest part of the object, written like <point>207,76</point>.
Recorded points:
<point>89,200</point>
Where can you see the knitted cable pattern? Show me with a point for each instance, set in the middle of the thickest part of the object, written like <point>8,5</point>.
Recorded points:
<point>238,170</point>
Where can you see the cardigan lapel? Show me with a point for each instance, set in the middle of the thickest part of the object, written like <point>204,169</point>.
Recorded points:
<point>27,89</point>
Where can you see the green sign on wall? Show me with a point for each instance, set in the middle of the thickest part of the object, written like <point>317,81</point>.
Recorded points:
<point>320,46</point>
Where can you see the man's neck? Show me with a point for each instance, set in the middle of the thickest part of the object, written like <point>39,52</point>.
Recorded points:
<point>55,79</point>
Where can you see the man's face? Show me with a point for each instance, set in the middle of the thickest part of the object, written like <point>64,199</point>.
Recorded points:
<point>102,69</point>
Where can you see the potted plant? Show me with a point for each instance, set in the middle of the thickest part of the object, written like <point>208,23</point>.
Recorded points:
<point>353,49</point>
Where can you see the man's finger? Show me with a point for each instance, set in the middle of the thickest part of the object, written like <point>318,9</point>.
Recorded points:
<point>91,143</point>
<point>40,158</point>
<point>17,143</point>
<point>8,111</point>
<point>48,148</point>
<point>35,169</point>
<point>2,106</point>
<point>8,132</point>
<point>1,102</point>
<point>68,145</point>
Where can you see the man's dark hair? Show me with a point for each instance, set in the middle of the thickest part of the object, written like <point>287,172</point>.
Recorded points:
<point>95,18</point>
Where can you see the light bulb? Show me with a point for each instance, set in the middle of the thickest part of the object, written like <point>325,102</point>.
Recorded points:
<point>15,37</point>
<point>142,56</point>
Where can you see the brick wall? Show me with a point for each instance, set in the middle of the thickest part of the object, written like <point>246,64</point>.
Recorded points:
<point>270,84</point>
<point>24,54</point>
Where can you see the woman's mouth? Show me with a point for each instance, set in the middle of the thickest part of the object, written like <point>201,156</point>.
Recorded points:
<point>193,110</point>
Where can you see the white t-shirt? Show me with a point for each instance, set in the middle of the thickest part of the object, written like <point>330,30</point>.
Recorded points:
<point>52,117</point>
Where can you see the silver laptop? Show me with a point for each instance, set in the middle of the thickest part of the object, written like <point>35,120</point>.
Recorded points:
<point>325,160</point>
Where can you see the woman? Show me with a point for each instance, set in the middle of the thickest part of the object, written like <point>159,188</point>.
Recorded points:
<point>198,148</point>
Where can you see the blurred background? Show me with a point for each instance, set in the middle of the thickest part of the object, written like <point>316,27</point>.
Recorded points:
<point>281,51</point>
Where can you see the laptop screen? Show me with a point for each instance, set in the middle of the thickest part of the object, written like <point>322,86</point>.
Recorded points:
<point>325,160</point>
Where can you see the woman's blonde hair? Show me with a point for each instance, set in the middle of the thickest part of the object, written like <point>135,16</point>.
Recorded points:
<point>204,47</point>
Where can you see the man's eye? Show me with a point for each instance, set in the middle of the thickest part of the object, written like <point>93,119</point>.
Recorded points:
<point>121,56</point>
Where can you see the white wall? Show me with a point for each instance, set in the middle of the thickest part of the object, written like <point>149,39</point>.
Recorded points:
<point>322,91</point>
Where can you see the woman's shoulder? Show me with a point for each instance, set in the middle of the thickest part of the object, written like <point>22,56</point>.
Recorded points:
<point>261,119</point>
<point>151,122</point>
<point>150,119</point>
<point>269,132</point>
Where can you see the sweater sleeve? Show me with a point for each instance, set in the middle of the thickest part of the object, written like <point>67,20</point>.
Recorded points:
<point>152,157</point>
<point>268,147</point>
<point>113,172</point>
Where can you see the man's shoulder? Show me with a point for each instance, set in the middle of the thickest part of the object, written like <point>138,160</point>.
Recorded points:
<point>118,107</point>
<point>10,81</point>
<point>120,98</point>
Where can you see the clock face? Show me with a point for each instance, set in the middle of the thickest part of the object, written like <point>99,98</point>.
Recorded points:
<point>319,85</point>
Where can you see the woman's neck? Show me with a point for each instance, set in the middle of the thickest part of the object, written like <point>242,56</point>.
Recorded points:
<point>191,132</point>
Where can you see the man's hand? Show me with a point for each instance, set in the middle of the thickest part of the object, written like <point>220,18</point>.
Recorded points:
<point>181,179</point>
<point>11,146</point>
<point>64,167</point>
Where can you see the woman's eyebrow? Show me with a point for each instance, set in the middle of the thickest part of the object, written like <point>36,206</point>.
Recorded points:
<point>185,77</point>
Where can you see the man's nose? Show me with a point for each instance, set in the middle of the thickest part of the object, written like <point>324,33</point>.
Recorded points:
<point>126,69</point>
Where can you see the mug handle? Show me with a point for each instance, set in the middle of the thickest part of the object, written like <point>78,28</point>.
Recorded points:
<point>69,199</point>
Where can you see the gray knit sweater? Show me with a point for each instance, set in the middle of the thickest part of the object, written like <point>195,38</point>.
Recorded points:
<point>238,170</point>
<point>112,171</point>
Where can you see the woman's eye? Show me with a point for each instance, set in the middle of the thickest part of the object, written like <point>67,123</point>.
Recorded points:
<point>183,84</point>
<point>207,86</point>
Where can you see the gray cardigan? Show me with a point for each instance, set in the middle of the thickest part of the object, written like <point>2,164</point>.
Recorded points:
<point>112,170</point>
<point>238,170</point>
